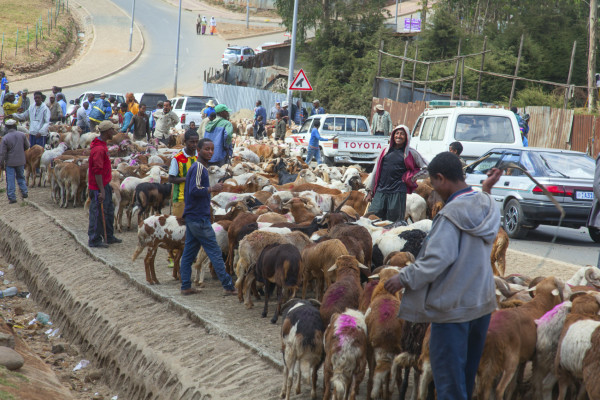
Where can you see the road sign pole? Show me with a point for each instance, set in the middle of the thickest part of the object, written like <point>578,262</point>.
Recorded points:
<point>247,14</point>
<point>131,28</point>
<point>292,61</point>
<point>177,51</point>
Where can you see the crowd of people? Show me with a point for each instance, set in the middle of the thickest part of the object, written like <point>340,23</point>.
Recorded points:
<point>202,23</point>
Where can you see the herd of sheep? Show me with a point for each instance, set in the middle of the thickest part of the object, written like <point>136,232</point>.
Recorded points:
<point>284,226</point>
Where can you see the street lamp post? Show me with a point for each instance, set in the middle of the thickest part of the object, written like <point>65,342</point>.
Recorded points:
<point>292,60</point>
<point>247,14</point>
<point>177,51</point>
<point>131,29</point>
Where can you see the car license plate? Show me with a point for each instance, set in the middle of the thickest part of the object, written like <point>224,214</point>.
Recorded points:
<point>361,155</point>
<point>584,195</point>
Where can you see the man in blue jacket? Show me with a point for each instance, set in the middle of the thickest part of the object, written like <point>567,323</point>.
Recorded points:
<point>101,110</point>
<point>198,229</point>
<point>451,284</point>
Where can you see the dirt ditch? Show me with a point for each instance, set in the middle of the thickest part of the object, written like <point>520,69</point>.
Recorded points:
<point>149,341</point>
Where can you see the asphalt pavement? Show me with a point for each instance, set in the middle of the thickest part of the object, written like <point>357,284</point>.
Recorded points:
<point>154,71</point>
<point>572,245</point>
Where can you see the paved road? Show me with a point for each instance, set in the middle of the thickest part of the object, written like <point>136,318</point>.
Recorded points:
<point>572,245</point>
<point>154,71</point>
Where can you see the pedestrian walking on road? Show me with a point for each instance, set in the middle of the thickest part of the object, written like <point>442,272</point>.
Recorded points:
<point>165,120</point>
<point>204,24</point>
<point>381,123</point>
<point>451,284</point>
<point>392,176</point>
<point>180,165</point>
<point>313,144</point>
<point>198,24</point>
<point>213,25</point>
<point>102,210</point>
<point>220,132</point>
<point>38,115</point>
<point>12,159</point>
<point>198,229</point>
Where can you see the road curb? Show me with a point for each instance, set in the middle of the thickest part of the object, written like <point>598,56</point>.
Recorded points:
<point>137,56</point>
<point>177,306</point>
<point>542,260</point>
<point>253,35</point>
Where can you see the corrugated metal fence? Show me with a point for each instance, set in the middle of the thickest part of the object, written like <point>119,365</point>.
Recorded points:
<point>550,127</point>
<point>401,113</point>
<point>239,97</point>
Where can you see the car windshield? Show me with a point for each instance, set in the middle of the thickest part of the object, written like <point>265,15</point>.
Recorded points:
<point>194,104</point>
<point>484,128</point>
<point>233,51</point>
<point>567,165</point>
<point>305,126</point>
<point>151,99</point>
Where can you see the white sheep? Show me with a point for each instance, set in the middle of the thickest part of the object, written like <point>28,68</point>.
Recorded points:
<point>47,157</point>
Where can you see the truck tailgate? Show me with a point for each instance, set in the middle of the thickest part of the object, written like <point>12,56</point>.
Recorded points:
<point>362,144</point>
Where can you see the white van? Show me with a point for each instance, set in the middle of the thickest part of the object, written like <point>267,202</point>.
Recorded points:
<point>478,129</point>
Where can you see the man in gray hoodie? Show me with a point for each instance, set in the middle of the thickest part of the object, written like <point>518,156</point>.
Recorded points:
<point>12,158</point>
<point>451,283</point>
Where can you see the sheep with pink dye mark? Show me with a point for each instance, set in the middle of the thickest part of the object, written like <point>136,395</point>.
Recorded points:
<point>345,363</point>
<point>549,328</point>
<point>346,291</point>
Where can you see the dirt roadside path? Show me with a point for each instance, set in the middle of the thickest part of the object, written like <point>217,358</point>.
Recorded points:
<point>146,338</point>
<point>144,346</point>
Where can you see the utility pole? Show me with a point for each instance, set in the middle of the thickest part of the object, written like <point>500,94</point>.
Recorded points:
<point>177,51</point>
<point>397,9</point>
<point>131,29</point>
<point>591,67</point>
<point>292,60</point>
<point>247,14</point>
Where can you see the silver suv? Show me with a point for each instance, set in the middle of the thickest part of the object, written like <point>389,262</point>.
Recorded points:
<point>235,54</point>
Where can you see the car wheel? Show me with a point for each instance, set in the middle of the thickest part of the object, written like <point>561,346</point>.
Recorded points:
<point>594,234</point>
<point>328,161</point>
<point>513,220</point>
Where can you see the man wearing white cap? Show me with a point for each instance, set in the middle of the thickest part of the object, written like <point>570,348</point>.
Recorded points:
<point>38,115</point>
<point>381,124</point>
<point>285,112</point>
<point>316,108</point>
<point>12,158</point>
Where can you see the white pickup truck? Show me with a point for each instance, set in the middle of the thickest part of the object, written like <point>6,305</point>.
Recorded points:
<point>352,141</point>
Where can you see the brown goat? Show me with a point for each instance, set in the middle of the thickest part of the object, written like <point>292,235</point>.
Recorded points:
<point>511,338</point>
<point>317,259</point>
<point>498,256</point>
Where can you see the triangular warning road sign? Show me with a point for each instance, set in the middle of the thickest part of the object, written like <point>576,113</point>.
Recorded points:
<point>300,82</point>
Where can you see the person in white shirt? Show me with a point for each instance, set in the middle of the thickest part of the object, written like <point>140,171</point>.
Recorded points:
<point>38,115</point>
